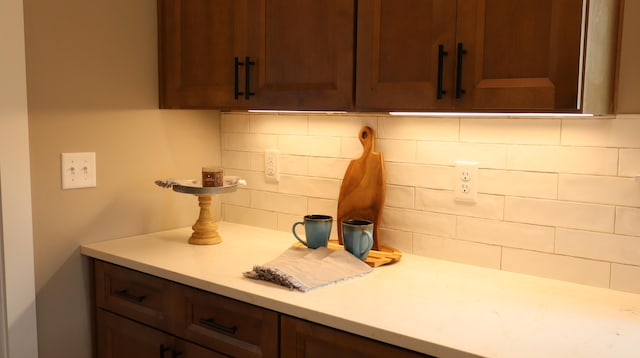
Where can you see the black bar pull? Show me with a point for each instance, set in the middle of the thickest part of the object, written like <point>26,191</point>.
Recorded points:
<point>247,79</point>
<point>175,354</point>
<point>130,297</point>
<point>461,52</point>
<point>440,92</point>
<point>211,323</point>
<point>236,93</point>
<point>163,349</point>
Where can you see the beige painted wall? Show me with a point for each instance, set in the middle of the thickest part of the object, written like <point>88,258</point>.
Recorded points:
<point>92,86</point>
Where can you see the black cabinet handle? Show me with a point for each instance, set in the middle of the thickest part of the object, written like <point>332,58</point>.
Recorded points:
<point>461,52</point>
<point>211,323</point>
<point>130,297</point>
<point>247,81</point>
<point>175,354</point>
<point>163,349</point>
<point>236,92</point>
<point>440,92</point>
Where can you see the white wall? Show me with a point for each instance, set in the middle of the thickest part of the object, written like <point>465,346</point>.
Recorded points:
<point>15,192</point>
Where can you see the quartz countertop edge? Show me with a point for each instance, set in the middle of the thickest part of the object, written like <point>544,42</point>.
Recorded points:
<point>431,306</point>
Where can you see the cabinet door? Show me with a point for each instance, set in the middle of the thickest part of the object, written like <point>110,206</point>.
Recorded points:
<point>118,337</point>
<point>198,42</point>
<point>304,56</point>
<point>520,54</point>
<point>400,60</point>
<point>300,338</point>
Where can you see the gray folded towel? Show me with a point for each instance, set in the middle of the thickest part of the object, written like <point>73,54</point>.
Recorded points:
<point>303,269</point>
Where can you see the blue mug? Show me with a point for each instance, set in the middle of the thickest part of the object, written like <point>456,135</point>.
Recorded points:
<point>357,236</point>
<point>317,229</point>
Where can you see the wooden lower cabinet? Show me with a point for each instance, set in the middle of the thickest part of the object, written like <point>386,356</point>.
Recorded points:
<point>299,338</point>
<point>138,315</point>
<point>118,337</point>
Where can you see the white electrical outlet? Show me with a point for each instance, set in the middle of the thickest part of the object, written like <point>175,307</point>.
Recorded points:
<point>78,170</point>
<point>272,165</point>
<point>466,181</point>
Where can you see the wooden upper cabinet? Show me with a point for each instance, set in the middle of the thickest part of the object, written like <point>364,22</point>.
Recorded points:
<point>305,55</point>
<point>398,54</point>
<point>256,54</point>
<point>469,55</point>
<point>198,42</point>
<point>520,54</point>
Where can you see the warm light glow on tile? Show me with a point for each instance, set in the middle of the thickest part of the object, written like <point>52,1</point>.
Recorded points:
<point>288,112</point>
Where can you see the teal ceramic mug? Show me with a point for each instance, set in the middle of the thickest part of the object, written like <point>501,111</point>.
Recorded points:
<point>317,229</point>
<point>358,237</point>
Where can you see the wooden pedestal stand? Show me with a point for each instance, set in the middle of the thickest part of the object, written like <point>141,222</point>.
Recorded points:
<point>205,229</point>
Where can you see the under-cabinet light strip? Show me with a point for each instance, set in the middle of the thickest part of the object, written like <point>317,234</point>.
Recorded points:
<point>302,112</point>
<point>484,114</point>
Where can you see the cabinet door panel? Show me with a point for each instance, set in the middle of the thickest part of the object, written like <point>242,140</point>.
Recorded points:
<point>118,337</point>
<point>198,41</point>
<point>398,43</point>
<point>304,55</point>
<point>521,54</point>
<point>300,339</point>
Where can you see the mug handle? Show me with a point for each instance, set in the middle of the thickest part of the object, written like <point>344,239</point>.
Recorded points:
<point>369,244</point>
<point>293,229</point>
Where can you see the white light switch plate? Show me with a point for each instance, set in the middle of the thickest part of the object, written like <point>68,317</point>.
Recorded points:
<point>78,170</point>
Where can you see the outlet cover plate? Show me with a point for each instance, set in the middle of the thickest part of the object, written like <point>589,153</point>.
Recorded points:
<point>465,181</point>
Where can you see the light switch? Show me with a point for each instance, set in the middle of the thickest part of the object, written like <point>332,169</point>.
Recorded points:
<point>78,170</point>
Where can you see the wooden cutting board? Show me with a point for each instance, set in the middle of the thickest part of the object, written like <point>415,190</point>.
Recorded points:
<point>363,188</point>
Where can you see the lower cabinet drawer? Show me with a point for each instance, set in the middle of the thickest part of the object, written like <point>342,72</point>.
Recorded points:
<point>228,326</point>
<point>144,298</point>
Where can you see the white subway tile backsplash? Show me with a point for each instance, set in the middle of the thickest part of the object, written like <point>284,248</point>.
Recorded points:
<point>249,142</point>
<point>575,160</point>
<point>419,221</point>
<point>253,217</point>
<point>443,201</point>
<point>417,128</point>
<point>282,203</point>
<point>598,246</point>
<point>426,176</point>
<point>394,150</point>
<point>285,223</point>
<point>279,124</point>
<point>312,146</point>
<point>496,232</point>
<point>310,187</point>
<point>327,167</point>
<point>400,196</point>
<point>606,132</point>
<point>629,162</point>
<point>400,240</point>
<point>557,197</point>
<point>518,183</point>
<point>340,125</point>
<point>510,131</point>
<point>627,221</point>
<point>625,278</point>
<point>447,153</point>
<point>566,268</point>
<point>236,160</point>
<point>599,189</point>
<point>293,164</point>
<point>323,206</point>
<point>457,250</point>
<point>559,213</point>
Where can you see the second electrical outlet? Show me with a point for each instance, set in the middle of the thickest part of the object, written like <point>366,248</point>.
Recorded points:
<point>272,165</point>
<point>466,181</point>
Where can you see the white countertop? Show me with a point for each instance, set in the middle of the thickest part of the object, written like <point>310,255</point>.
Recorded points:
<point>427,305</point>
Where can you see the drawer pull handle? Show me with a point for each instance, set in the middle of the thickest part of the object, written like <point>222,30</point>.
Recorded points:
<point>440,92</point>
<point>211,323</point>
<point>459,90</point>
<point>130,297</point>
<point>236,91</point>
<point>163,349</point>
